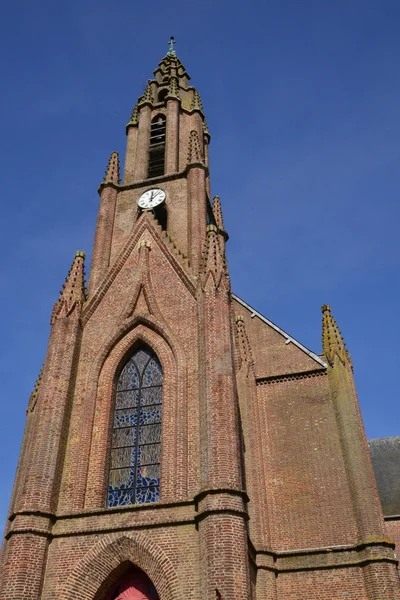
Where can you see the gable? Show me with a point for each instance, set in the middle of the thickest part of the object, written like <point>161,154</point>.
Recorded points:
<point>275,352</point>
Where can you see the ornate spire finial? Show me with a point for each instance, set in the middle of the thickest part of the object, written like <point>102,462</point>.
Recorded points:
<point>196,102</point>
<point>112,171</point>
<point>194,152</point>
<point>217,212</point>
<point>171,51</point>
<point>72,295</point>
<point>332,340</point>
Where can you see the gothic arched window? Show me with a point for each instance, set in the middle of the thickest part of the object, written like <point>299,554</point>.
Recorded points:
<point>136,437</point>
<point>162,94</point>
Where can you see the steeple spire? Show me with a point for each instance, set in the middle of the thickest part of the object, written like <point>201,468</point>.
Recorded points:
<point>332,340</point>
<point>73,291</point>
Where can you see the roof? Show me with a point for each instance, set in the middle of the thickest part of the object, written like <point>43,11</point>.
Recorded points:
<point>385,453</point>
<point>289,338</point>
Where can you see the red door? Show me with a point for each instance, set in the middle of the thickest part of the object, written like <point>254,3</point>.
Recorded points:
<point>134,585</point>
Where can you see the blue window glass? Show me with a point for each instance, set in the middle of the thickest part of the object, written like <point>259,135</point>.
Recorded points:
<point>136,437</point>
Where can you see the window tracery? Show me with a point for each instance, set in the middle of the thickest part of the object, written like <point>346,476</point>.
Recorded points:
<point>136,438</point>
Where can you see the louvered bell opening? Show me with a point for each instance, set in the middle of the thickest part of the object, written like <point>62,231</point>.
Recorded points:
<point>157,131</point>
<point>156,163</point>
<point>157,147</point>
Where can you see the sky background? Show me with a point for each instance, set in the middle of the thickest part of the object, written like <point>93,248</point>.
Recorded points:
<point>302,101</point>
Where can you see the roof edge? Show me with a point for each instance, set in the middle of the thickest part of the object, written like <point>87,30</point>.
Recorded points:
<point>289,338</point>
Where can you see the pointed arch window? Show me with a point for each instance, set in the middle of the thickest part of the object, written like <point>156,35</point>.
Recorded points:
<point>136,437</point>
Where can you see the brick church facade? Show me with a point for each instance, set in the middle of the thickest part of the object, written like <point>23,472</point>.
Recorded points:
<point>179,445</point>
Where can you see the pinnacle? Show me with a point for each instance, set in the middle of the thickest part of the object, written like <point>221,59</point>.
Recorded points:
<point>134,120</point>
<point>72,294</point>
<point>213,261</point>
<point>244,344</point>
<point>206,130</point>
<point>112,171</point>
<point>147,97</point>
<point>332,340</point>
<point>194,151</point>
<point>173,90</point>
<point>217,212</point>
<point>196,102</point>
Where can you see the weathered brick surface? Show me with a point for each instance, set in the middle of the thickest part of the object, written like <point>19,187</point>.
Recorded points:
<point>304,466</point>
<point>267,490</point>
<point>335,584</point>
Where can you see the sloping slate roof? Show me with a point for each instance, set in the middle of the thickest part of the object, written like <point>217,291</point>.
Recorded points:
<point>385,454</point>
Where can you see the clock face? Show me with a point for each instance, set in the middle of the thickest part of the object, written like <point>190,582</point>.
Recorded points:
<point>151,198</point>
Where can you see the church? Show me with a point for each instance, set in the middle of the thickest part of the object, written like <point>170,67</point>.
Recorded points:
<point>178,444</point>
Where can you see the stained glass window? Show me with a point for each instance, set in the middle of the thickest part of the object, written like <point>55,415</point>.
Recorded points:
<point>136,437</point>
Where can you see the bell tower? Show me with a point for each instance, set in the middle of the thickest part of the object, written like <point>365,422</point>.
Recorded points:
<point>167,147</point>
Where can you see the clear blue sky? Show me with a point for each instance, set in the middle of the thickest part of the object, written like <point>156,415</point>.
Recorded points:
<point>302,101</point>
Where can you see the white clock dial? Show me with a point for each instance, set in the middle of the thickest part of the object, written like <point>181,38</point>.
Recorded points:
<point>151,198</point>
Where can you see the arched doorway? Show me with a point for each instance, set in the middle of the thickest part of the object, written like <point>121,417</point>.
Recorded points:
<point>134,585</point>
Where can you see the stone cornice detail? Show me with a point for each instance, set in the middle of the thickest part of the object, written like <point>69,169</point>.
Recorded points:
<point>290,376</point>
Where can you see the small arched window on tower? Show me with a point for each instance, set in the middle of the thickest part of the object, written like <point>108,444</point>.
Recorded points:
<point>136,437</point>
<point>157,147</point>
<point>162,94</point>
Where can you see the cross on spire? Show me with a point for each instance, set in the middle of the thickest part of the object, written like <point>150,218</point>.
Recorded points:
<point>171,51</point>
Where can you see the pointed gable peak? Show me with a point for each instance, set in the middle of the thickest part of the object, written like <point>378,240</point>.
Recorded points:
<point>112,172</point>
<point>73,294</point>
<point>332,341</point>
